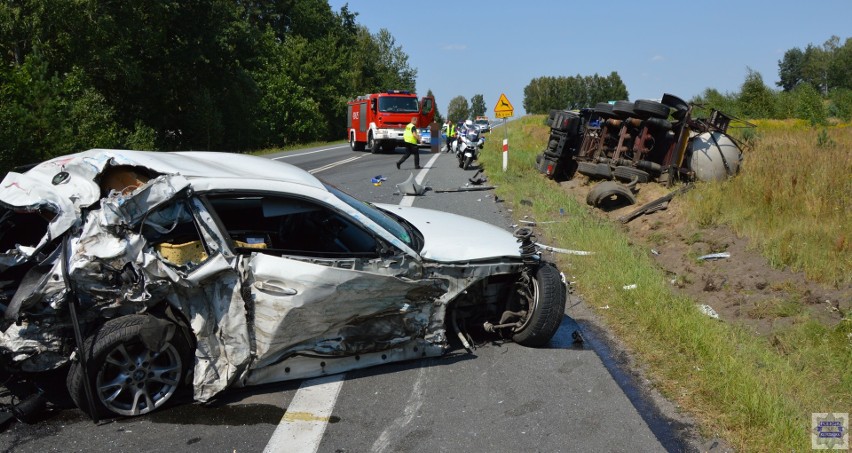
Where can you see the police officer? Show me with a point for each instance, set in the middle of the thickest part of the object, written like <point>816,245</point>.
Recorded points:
<point>411,138</point>
<point>451,135</point>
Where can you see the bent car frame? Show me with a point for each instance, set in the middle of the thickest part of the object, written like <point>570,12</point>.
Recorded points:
<point>130,274</point>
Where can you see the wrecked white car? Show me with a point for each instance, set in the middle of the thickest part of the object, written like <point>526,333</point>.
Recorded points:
<point>130,274</point>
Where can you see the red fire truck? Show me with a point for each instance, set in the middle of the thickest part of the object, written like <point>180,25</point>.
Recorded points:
<point>377,121</point>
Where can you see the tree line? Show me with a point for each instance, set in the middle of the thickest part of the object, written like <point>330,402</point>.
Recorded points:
<point>241,75</point>
<point>231,75</point>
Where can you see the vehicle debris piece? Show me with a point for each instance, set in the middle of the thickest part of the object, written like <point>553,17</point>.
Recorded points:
<point>221,270</point>
<point>465,189</point>
<point>630,286</point>
<point>410,186</point>
<point>708,310</point>
<point>715,256</point>
<point>655,205</point>
<point>377,180</point>
<point>561,250</point>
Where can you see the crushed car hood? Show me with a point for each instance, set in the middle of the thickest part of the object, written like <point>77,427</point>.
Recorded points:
<point>450,237</point>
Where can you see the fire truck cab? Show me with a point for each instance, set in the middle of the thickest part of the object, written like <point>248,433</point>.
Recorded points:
<point>377,121</point>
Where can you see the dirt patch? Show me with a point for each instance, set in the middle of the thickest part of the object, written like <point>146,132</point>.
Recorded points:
<point>742,288</point>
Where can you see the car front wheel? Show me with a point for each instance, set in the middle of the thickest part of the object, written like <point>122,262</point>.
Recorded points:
<point>136,364</point>
<point>546,307</point>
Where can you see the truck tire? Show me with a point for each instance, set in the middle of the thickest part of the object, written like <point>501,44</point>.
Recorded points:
<point>373,144</point>
<point>625,173</point>
<point>545,310</point>
<point>354,145</point>
<point>594,170</point>
<point>624,109</point>
<point>388,147</point>
<point>604,110</point>
<point>609,195</point>
<point>650,109</point>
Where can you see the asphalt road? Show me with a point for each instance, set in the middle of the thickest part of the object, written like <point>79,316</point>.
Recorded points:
<point>501,397</point>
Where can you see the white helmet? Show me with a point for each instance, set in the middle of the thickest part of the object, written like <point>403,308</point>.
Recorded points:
<point>468,123</point>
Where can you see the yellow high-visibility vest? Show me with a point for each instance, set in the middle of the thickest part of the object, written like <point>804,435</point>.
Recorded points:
<point>408,135</point>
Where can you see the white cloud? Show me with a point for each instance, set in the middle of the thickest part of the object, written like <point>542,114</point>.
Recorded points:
<point>658,58</point>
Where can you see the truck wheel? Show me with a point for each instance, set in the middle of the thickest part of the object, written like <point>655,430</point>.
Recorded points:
<point>599,170</point>
<point>610,195</point>
<point>545,309</point>
<point>372,144</point>
<point>650,109</point>
<point>136,364</point>
<point>388,147</point>
<point>604,110</point>
<point>624,109</point>
<point>354,145</point>
<point>625,173</point>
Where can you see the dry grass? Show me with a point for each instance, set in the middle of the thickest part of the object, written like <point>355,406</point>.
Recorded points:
<point>793,200</point>
<point>757,393</point>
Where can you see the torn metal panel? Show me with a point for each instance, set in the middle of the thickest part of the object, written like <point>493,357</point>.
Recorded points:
<point>301,307</point>
<point>26,193</point>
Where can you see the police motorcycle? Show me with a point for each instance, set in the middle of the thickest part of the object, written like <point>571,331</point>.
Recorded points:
<point>468,145</point>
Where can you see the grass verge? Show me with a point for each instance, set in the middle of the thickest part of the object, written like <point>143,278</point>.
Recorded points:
<point>757,393</point>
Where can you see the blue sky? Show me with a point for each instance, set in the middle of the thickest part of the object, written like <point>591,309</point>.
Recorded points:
<point>678,47</point>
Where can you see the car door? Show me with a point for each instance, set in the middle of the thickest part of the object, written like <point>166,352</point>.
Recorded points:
<point>320,284</point>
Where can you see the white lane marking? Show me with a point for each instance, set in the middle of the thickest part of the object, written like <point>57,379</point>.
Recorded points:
<point>308,152</point>
<point>303,424</point>
<point>335,164</point>
<point>408,200</point>
<point>412,407</point>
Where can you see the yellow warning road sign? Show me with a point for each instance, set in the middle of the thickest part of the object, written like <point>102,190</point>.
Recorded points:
<point>504,108</point>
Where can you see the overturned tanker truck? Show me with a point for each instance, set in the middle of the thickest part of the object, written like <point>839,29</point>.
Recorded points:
<point>637,142</point>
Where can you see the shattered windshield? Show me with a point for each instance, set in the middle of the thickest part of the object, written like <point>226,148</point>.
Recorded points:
<point>400,231</point>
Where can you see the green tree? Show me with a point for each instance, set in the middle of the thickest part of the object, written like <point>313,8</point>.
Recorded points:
<point>756,100</point>
<point>458,109</point>
<point>790,69</point>
<point>809,104</point>
<point>477,106</point>
<point>546,93</point>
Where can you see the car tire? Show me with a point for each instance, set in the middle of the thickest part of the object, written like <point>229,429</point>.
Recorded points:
<point>355,145</point>
<point>126,376</point>
<point>650,109</point>
<point>548,308</point>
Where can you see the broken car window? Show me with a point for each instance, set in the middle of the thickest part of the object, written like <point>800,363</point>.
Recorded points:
<point>290,226</point>
<point>171,231</point>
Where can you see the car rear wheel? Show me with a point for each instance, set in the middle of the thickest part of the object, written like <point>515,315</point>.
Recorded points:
<point>136,364</point>
<point>545,309</point>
